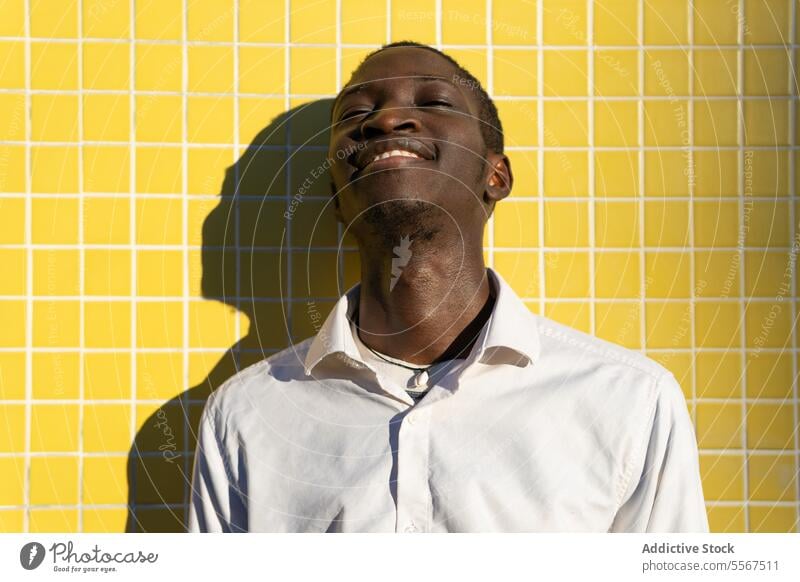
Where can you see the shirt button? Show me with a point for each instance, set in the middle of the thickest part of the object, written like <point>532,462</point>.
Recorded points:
<point>411,528</point>
<point>411,418</point>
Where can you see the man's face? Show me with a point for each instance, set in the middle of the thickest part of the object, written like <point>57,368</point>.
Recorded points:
<point>409,100</point>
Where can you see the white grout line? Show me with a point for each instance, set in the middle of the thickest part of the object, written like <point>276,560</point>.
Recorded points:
<point>558,148</point>
<point>541,256</point>
<point>742,271</point>
<point>323,198</point>
<point>338,32</point>
<point>237,153</point>
<point>184,212</point>
<point>287,102</point>
<point>793,113</point>
<point>445,47</point>
<point>108,401</point>
<point>388,9</point>
<point>54,506</point>
<point>439,24</point>
<point>490,90</point>
<point>173,299</point>
<point>134,197</point>
<point>691,189</point>
<point>528,200</point>
<point>340,262</point>
<point>28,277</point>
<point>309,96</point>
<point>499,97</point>
<point>641,195</point>
<point>752,503</point>
<point>185,235</point>
<point>591,165</point>
<point>82,269</point>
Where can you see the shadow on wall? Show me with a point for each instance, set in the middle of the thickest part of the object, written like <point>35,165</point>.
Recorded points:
<point>244,265</point>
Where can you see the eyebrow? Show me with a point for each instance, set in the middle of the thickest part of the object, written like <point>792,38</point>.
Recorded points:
<point>359,87</point>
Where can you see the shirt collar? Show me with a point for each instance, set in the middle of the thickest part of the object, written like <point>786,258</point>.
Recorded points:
<point>510,326</point>
<point>335,335</point>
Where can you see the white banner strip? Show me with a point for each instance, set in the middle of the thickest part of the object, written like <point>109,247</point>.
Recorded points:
<point>375,557</point>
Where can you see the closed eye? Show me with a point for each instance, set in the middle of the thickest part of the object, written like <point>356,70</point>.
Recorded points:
<point>437,103</point>
<point>354,113</point>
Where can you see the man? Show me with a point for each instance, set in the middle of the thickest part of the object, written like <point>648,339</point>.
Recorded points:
<point>432,400</point>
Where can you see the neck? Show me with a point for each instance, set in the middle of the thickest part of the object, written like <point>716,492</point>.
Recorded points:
<point>430,307</point>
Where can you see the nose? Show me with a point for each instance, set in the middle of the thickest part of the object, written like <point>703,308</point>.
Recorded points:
<point>391,119</point>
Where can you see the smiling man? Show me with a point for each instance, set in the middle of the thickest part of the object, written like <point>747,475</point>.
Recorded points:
<point>432,399</point>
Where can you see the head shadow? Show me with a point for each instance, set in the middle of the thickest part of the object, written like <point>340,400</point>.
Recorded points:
<point>270,254</point>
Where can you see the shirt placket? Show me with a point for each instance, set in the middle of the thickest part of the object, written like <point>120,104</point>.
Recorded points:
<point>413,491</point>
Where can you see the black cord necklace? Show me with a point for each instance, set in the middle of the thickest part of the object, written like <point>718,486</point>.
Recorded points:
<point>421,376</point>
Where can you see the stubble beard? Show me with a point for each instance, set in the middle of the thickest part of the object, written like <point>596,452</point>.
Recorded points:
<point>392,220</point>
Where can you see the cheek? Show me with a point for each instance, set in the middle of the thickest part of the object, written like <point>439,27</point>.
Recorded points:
<point>464,145</point>
<point>465,163</point>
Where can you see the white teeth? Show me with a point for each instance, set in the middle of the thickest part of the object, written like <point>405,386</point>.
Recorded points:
<point>391,153</point>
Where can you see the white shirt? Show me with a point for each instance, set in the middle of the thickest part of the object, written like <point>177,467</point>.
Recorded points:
<point>399,373</point>
<point>541,428</point>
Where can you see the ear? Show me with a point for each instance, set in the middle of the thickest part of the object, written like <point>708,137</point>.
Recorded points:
<point>337,212</point>
<point>499,180</point>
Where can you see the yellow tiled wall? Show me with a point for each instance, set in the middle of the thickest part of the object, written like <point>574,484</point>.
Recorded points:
<point>654,145</point>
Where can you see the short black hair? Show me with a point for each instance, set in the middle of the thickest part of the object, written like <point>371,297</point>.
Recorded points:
<point>491,128</point>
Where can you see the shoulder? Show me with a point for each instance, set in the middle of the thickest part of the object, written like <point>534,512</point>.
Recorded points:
<point>608,370</point>
<point>562,341</point>
<point>624,399</point>
<point>257,383</point>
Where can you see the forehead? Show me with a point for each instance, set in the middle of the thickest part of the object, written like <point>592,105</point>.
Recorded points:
<point>402,65</point>
<point>399,66</point>
<point>403,61</point>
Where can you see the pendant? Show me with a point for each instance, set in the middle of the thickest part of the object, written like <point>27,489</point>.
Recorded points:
<point>421,379</point>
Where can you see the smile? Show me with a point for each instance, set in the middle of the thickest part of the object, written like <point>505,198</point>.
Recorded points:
<point>392,159</point>
<point>394,153</point>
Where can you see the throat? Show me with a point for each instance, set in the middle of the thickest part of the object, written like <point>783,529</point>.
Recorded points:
<point>427,317</point>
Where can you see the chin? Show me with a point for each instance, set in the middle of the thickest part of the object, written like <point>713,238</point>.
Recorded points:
<point>390,219</point>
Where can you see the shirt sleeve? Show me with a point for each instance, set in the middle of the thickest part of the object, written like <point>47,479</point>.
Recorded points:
<point>216,504</point>
<point>664,492</point>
